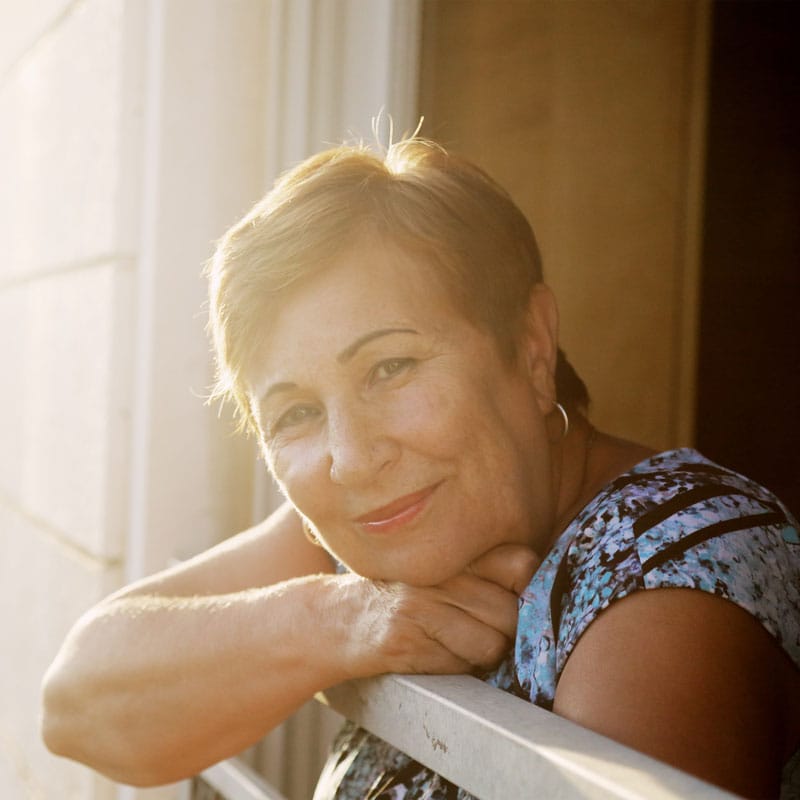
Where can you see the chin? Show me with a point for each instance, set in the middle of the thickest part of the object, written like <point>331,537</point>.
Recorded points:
<point>421,574</point>
<point>392,572</point>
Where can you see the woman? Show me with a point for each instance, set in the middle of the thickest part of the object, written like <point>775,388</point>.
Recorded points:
<point>383,328</point>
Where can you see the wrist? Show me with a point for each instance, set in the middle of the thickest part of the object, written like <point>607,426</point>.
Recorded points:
<point>350,609</point>
<point>330,615</point>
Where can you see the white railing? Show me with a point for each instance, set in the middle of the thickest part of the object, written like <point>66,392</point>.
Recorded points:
<point>234,780</point>
<point>491,743</point>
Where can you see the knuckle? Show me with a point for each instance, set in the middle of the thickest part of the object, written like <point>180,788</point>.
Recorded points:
<point>524,559</point>
<point>523,563</point>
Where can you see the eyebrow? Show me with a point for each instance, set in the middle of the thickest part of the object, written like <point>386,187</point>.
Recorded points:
<point>276,388</point>
<point>353,348</point>
<point>342,358</point>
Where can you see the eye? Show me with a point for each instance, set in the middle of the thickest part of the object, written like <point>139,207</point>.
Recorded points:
<point>296,415</point>
<point>389,368</point>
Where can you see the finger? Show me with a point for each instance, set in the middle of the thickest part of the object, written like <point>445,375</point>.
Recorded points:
<point>487,602</point>
<point>436,659</point>
<point>468,639</point>
<point>508,565</point>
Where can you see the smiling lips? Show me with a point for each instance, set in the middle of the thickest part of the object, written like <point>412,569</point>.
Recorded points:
<point>397,513</point>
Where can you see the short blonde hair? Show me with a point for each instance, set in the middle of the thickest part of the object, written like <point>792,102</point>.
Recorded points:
<point>434,205</point>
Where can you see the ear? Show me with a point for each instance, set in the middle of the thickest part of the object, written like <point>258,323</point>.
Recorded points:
<point>539,347</point>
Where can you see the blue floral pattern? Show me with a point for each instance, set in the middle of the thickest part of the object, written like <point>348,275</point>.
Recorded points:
<point>674,520</point>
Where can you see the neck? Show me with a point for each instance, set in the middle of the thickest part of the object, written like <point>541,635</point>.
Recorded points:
<point>588,460</point>
<point>575,484</point>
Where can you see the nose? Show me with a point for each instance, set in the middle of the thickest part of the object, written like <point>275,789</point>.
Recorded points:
<point>359,446</point>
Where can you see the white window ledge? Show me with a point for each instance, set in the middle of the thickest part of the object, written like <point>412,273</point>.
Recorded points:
<point>494,745</point>
<point>497,746</point>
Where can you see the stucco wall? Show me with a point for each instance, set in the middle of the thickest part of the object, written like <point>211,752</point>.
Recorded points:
<point>65,284</point>
<point>591,113</point>
<point>130,136</point>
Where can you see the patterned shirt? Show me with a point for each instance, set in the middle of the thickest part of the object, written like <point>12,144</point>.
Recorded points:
<point>674,520</point>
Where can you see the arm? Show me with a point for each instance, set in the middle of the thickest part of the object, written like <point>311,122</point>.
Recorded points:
<point>690,679</point>
<point>192,665</point>
<point>175,671</point>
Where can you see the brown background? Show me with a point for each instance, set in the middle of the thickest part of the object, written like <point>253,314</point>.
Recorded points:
<point>653,144</point>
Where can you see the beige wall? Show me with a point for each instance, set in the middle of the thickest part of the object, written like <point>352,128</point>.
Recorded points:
<point>128,141</point>
<point>591,113</point>
<point>66,267</point>
<point>132,133</point>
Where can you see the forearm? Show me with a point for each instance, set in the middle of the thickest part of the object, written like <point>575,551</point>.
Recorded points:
<point>151,689</point>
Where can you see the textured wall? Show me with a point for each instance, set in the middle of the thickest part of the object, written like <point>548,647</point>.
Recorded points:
<point>130,137</point>
<point>590,113</point>
<point>65,284</point>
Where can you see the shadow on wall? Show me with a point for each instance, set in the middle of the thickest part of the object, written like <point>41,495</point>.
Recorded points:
<point>749,356</point>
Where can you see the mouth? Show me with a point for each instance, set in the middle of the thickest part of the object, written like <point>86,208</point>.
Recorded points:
<point>397,513</point>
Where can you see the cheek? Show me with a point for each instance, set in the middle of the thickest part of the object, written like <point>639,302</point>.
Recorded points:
<point>296,469</point>
<point>433,419</point>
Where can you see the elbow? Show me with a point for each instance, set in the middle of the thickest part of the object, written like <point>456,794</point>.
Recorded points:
<point>68,731</point>
<point>52,735</point>
<point>61,741</point>
<point>65,707</point>
<point>55,720</point>
<point>62,726</point>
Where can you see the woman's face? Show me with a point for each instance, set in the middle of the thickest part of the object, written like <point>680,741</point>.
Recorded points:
<point>394,425</point>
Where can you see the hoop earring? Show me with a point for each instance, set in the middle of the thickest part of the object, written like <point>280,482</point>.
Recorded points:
<point>565,416</point>
<point>309,532</point>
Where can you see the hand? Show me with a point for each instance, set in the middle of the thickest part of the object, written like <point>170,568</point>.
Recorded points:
<point>465,623</point>
<point>510,566</point>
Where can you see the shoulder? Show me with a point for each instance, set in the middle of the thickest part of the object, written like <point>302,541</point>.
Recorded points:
<point>676,673</point>
<point>610,636</point>
<point>682,675</point>
<point>679,521</point>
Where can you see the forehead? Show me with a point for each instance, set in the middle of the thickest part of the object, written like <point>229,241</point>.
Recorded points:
<point>371,286</point>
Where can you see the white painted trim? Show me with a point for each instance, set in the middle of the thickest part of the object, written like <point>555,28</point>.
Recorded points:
<point>498,746</point>
<point>136,545</point>
<point>494,745</point>
<point>405,62</point>
<point>136,542</point>
<point>333,65</point>
<point>236,781</point>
